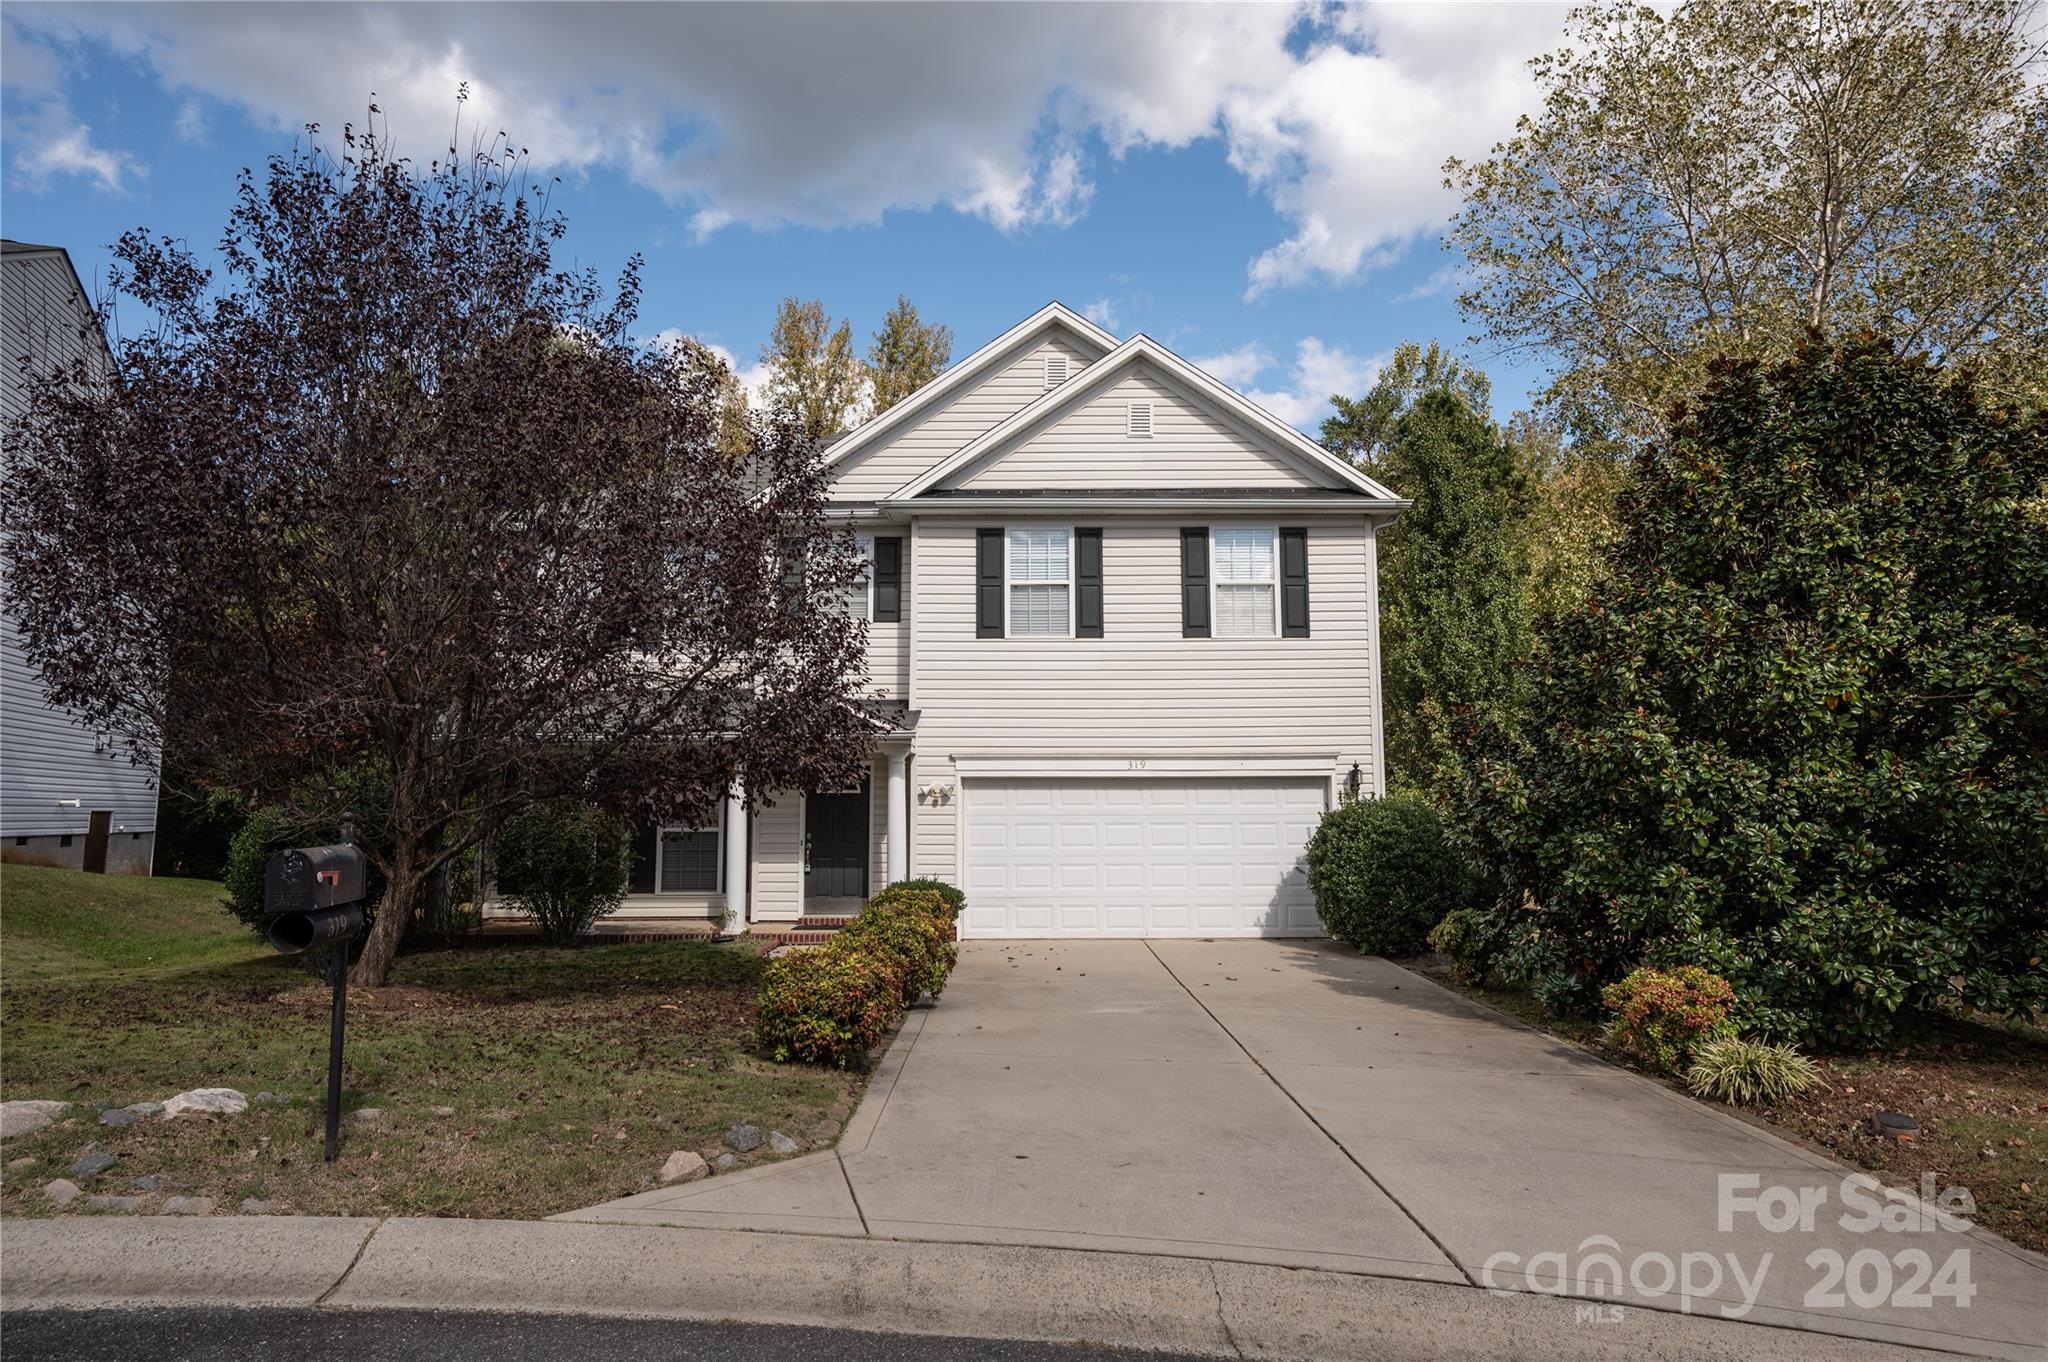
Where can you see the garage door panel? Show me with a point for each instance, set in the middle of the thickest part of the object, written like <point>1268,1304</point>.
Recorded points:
<point>1136,857</point>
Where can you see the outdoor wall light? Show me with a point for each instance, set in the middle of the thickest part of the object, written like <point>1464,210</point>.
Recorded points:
<point>1352,781</point>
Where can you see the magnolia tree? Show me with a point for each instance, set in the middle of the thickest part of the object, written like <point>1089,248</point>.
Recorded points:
<point>398,504</point>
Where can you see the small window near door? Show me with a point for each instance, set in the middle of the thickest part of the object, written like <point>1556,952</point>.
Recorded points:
<point>688,861</point>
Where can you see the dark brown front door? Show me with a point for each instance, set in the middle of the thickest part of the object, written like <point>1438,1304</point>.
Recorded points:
<point>98,825</point>
<point>836,845</point>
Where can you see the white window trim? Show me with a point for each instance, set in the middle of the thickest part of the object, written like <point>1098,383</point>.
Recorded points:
<point>866,543</point>
<point>1216,579</point>
<point>717,856</point>
<point>1151,418</point>
<point>1072,591</point>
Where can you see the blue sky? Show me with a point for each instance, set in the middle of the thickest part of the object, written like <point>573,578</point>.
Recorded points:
<point>1257,186</point>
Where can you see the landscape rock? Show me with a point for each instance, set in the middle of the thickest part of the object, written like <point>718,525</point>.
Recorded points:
<point>63,1191</point>
<point>189,1205</point>
<point>273,1099</point>
<point>206,1102</point>
<point>743,1139</point>
<point>148,1183</point>
<point>92,1163</point>
<point>27,1117</point>
<point>117,1116</point>
<point>444,1111</point>
<point>16,1165</point>
<point>145,1108</point>
<point>683,1166</point>
<point>368,1116</point>
<point>113,1203</point>
<point>780,1143</point>
<point>725,1163</point>
<point>251,1206</point>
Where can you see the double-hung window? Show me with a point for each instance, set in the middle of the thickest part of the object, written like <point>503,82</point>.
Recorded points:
<point>1040,581</point>
<point>686,861</point>
<point>1246,592</point>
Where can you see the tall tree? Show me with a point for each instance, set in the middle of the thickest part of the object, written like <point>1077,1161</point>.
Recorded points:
<point>813,370</point>
<point>907,354</point>
<point>400,503</point>
<point>1722,179</point>
<point>1453,624</point>
<point>1363,428</point>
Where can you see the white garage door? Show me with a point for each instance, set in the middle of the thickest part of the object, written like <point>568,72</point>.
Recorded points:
<point>1186,857</point>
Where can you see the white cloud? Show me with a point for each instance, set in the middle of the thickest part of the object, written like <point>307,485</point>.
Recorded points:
<point>824,114</point>
<point>1318,371</point>
<point>58,145</point>
<point>1236,368</point>
<point>753,378</point>
<point>1443,280</point>
<point>191,122</point>
<point>1102,312</point>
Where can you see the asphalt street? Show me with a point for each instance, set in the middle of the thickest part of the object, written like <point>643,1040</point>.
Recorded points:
<point>302,1335</point>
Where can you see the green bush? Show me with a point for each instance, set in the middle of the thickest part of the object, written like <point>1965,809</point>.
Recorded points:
<point>1795,735</point>
<point>955,899</point>
<point>563,864</point>
<point>830,1004</point>
<point>1745,1072</point>
<point>1660,1016</point>
<point>1384,872</point>
<point>1469,940</point>
<point>917,927</point>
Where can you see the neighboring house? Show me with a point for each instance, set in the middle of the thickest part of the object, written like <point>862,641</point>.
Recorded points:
<point>1125,624</point>
<point>68,796</point>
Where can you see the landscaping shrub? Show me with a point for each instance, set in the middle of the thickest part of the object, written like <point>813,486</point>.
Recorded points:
<point>1470,941</point>
<point>954,897</point>
<point>830,1004</point>
<point>1660,1016</point>
<point>1745,1072</point>
<point>563,864</point>
<point>1795,735</point>
<point>1384,872</point>
<point>917,927</point>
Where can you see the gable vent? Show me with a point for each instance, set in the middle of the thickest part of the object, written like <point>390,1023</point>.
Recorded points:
<point>1055,368</point>
<point>1138,420</point>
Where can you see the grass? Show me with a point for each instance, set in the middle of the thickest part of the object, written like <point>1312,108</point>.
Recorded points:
<point>572,1073</point>
<point>1979,1093</point>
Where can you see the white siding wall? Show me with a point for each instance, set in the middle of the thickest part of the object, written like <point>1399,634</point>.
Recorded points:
<point>889,648</point>
<point>1142,691</point>
<point>1087,447</point>
<point>45,757</point>
<point>878,471</point>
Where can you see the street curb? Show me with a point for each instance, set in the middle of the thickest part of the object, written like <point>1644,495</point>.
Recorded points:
<point>1129,1300</point>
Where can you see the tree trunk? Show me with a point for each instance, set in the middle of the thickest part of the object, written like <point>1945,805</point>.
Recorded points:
<point>401,883</point>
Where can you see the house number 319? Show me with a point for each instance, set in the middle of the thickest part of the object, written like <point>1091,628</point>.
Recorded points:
<point>1134,765</point>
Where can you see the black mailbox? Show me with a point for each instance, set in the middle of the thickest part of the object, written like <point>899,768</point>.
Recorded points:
<point>308,879</point>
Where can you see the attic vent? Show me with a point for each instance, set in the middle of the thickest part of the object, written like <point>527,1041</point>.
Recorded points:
<point>1138,420</point>
<point>1055,368</point>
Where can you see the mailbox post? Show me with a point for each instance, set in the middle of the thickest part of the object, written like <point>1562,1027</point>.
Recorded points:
<point>314,896</point>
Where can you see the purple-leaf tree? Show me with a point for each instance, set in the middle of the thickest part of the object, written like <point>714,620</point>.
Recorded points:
<point>399,503</point>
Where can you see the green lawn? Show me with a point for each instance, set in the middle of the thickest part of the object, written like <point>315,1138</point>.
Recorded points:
<point>572,1073</point>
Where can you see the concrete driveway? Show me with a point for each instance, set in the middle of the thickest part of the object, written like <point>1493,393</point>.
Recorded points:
<point>1292,1103</point>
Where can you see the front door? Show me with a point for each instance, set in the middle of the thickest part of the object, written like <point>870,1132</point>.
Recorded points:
<point>836,845</point>
<point>99,825</point>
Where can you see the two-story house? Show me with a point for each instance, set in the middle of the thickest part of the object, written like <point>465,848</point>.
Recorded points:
<point>1126,625</point>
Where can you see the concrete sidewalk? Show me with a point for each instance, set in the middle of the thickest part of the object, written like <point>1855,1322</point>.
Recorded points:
<point>1183,1305</point>
<point>1292,1104</point>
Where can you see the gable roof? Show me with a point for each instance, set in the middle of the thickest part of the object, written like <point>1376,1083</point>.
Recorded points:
<point>1120,360</point>
<point>961,375</point>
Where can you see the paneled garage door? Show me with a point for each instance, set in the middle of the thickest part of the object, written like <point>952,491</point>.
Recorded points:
<point>1183,857</point>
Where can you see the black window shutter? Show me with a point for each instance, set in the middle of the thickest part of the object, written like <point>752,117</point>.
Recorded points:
<point>1194,582</point>
<point>988,583</point>
<point>1294,583</point>
<point>641,881</point>
<point>1088,583</point>
<point>889,580</point>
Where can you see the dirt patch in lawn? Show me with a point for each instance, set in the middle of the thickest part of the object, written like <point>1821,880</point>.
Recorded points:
<point>1978,1092</point>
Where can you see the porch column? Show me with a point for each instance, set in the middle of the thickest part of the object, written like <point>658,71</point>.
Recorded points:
<point>899,822</point>
<point>735,860</point>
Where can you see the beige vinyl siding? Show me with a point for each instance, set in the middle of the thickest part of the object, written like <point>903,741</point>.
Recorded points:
<point>1142,691</point>
<point>1191,446</point>
<point>777,891</point>
<point>889,655</point>
<point>873,473</point>
<point>46,758</point>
